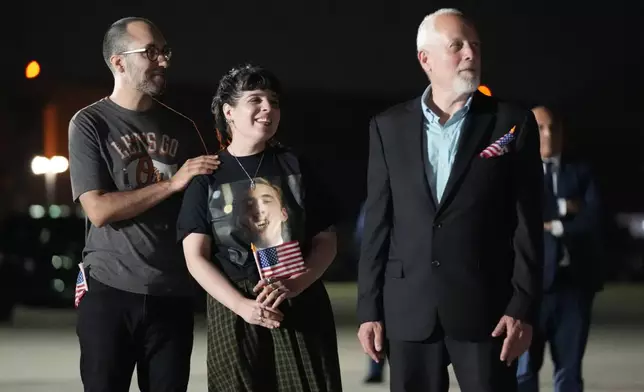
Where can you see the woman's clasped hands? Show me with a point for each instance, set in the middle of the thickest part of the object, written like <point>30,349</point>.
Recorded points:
<point>254,312</point>
<point>272,292</point>
<point>263,310</point>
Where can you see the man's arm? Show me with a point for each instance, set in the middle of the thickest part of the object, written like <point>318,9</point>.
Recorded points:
<point>528,239</point>
<point>94,188</point>
<point>107,207</point>
<point>375,237</point>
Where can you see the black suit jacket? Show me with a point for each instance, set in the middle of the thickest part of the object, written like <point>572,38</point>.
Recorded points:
<point>470,259</point>
<point>582,232</point>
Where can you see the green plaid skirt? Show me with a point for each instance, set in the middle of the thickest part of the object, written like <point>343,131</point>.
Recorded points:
<point>300,355</point>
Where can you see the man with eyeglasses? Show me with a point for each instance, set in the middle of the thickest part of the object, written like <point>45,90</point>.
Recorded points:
<point>130,159</point>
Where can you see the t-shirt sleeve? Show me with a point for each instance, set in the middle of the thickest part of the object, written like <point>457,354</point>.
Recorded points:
<point>320,206</point>
<point>193,215</point>
<point>87,169</point>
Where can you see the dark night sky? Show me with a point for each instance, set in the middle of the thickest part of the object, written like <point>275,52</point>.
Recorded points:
<point>586,58</point>
<point>549,50</point>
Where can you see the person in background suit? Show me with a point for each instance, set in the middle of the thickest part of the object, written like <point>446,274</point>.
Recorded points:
<point>571,268</point>
<point>451,260</point>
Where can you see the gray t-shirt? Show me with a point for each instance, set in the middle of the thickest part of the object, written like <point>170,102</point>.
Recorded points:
<point>115,149</point>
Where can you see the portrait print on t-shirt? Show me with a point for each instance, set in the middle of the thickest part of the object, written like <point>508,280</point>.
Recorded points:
<point>265,215</point>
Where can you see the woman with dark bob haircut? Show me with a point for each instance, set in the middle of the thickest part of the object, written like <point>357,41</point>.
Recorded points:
<point>257,235</point>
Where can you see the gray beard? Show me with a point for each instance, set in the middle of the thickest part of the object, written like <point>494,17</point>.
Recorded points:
<point>465,85</point>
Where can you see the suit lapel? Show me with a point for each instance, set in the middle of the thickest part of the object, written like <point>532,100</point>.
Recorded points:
<point>475,129</point>
<point>417,146</point>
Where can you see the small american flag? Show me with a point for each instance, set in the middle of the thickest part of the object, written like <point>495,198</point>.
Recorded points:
<point>280,261</point>
<point>81,285</point>
<point>499,147</point>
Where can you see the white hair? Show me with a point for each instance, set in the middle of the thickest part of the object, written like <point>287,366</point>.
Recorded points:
<point>427,29</point>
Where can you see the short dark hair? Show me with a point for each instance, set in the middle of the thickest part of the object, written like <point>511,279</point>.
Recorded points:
<point>116,38</point>
<point>246,77</point>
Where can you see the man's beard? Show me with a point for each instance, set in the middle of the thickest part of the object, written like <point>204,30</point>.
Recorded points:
<point>465,85</point>
<point>147,86</point>
<point>144,83</point>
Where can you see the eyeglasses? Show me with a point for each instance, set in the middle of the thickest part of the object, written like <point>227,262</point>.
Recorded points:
<point>152,52</point>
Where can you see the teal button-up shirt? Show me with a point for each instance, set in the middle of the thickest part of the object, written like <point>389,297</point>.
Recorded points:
<point>442,143</point>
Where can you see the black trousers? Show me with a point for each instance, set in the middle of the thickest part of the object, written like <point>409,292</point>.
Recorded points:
<point>564,323</point>
<point>422,366</point>
<point>118,330</point>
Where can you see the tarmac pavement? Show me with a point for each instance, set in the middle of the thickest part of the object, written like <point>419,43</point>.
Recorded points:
<point>39,351</point>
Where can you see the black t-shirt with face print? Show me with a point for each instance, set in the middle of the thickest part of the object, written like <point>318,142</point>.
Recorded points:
<point>286,204</point>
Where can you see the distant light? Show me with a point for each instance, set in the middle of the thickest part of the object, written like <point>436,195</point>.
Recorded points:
<point>29,265</point>
<point>54,211</point>
<point>43,165</point>
<point>58,285</point>
<point>65,211</point>
<point>36,211</point>
<point>485,90</point>
<point>57,262</point>
<point>32,70</point>
<point>58,164</point>
<point>40,165</point>
<point>45,236</point>
<point>68,262</point>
